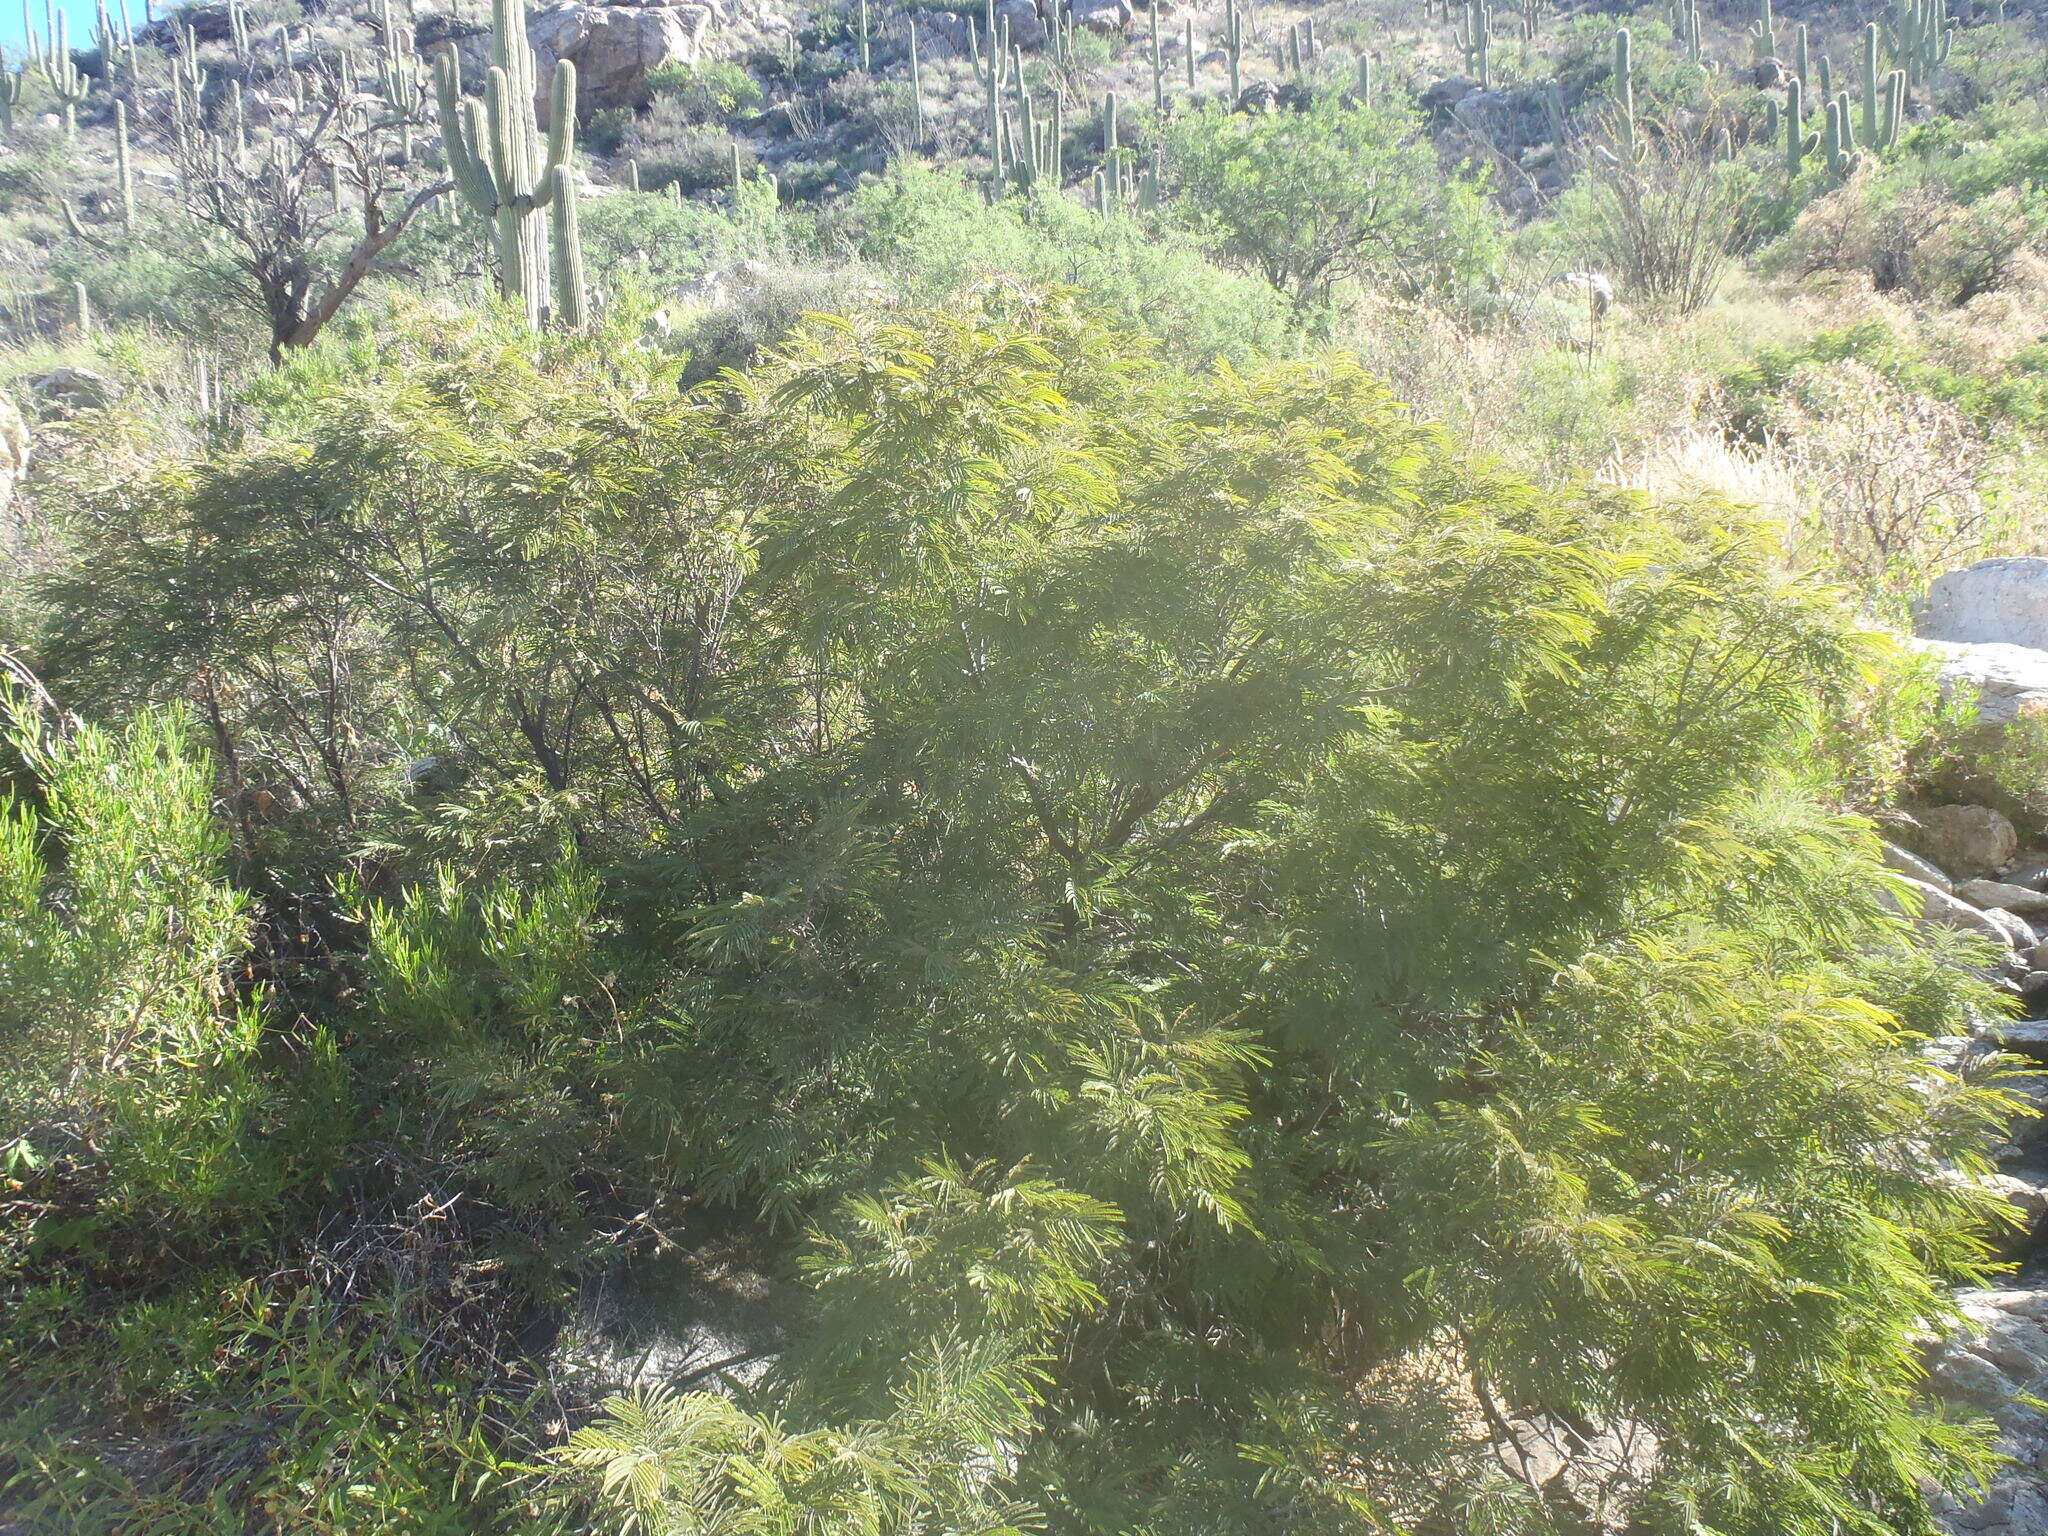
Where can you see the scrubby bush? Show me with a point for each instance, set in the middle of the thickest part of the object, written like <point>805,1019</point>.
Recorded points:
<point>1231,955</point>
<point>707,92</point>
<point>1333,194</point>
<point>675,147</point>
<point>938,236</point>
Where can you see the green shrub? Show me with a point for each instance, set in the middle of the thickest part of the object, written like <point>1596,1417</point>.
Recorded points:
<point>2015,396</point>
<point>673,148</point>
<point>1330,195</point>
<point>128,1052</point>
<point>1228,952</point>
<point>707,92</point>
<point>938,236</point>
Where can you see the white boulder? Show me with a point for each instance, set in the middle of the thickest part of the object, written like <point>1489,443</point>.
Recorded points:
<point>1996,602</point>
<point>2007,680</point>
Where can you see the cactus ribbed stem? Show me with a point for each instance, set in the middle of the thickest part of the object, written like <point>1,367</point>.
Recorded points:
<point>1233,47</point>
<point>124,169</point>
<point>1158,61</point>
<point>1763,33</point>
<point>571,299</point>
<point>495,151</point>
<point>1798,142</point>
<point>916,87</point>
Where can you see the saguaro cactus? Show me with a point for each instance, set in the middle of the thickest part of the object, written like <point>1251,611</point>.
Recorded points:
<point>495,151</point>
<point>991,67</point>
<point>1921,34</point>
<point>1842,155</point>
<point>12,82</point>
<point>1798,142</point>
<point>124,169</point>
<point>63,77</point>
<point>1763,32</point>
<point>916,88</point>
<point>1688,28</point>
<point>1475,40</point>
<point>572,307</point>
<point>1158,60</point>
<point>1633,147</point>
<point>1233,47</point>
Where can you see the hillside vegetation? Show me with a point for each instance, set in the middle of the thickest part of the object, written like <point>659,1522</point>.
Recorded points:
<point>934,772</point>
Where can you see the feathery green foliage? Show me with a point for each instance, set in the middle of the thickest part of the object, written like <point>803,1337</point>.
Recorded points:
<point>1232,955</point>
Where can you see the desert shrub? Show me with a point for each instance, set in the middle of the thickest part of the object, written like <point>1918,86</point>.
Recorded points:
<point>675,148</point>
<point>706,92</point>
<point>936,234</point>
<point>1896,480</point>
<point>1667,228</point>
<point>669,242</point>
<point>758,306</point>
<point>1330,195</point>
<point>1909,233</point>
<point>288,1408</point>
<point>1228,952</point>
<point>129,1057</point>
<point>2014,397</point>
<point>138,282</point>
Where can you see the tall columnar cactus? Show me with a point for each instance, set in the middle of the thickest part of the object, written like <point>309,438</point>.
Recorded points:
<point>1553,112</point>
<point>496,155</point>
<point>1763,33</point>
<point>12,82</point>
<point>1039,151</point>
<point>1365,80</point>
<point>81,311</point>
<point>1689,30</point>
<point>866,36</point>
<point>1802,53</point>
<point>1475,40</point>
<point>1894,116</point>
<point>1158,60</point>
<point>61,74</point>
<point>1875,92</point>
<point>572,307</point>
<point>1798,142</point>
<point>1187,45</point>
<point>124,169</point>
<point>116,49</point>
<point>1233,47</point>
<point>1921,34</point>
<point>1632,148</point>
<point>398,73</point>
<point>1115,176</point>
<point>916,89</point>
<point>991,65</point>
<point>1842,155</point>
